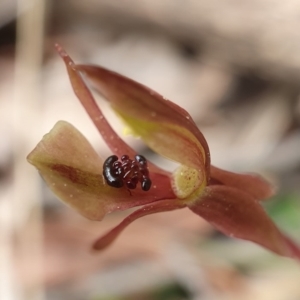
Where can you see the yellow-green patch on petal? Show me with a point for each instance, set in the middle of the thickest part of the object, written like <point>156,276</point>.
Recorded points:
<point>178,144</point>
<point>188,183</point>
<point>169,140</point>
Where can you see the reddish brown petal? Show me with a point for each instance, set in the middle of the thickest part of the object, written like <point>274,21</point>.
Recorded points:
<point>73,171</point>
<point>159,206</point>
<point>115,143</point>
<point>252,184</point>
<point>295,249</point>
<point>239,215</point>
<point>161,124</point>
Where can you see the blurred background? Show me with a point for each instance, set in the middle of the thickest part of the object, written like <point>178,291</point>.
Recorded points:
<point>235,66</point>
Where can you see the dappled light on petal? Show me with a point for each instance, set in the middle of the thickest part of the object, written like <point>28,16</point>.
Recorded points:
<point>252,184</point>
<point>239,215</point>
<point>73,171</point>
<point>161,206</point>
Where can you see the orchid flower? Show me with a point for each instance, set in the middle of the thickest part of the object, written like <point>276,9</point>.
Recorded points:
<point>74,171</point>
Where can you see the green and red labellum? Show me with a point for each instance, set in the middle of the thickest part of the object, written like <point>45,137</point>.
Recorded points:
<point>74,172</point>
